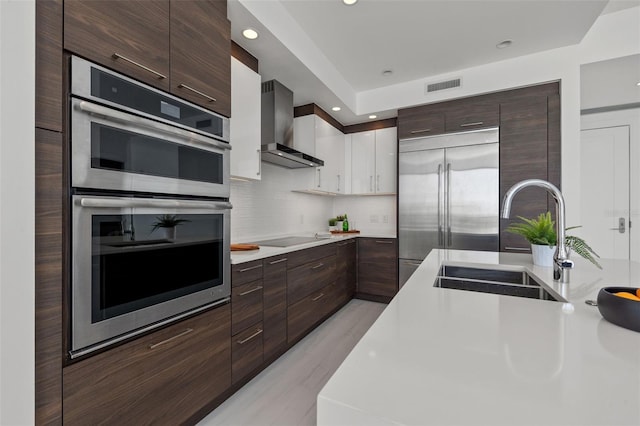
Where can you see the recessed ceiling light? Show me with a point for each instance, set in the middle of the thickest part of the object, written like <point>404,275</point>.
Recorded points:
<point>387,73</point>
<point>638,83</point>
<point>250,33</point>
<point>372,116</point>
<point>503,44</point>
<point>349,2</point>
<point>336,109</point>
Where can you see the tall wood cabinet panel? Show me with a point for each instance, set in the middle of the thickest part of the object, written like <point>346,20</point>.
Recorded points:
<point>275,305</point>
<point>346,266</point>
<point>377,267</point>
<point>523,155</point>
<point>48,277</point>
<point>49,64</point>
<point>136,30</point>
<point>200,59</point>
<point>164,377</point>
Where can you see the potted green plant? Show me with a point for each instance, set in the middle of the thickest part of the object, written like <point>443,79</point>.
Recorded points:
<point>540,232</point>
<point>168,223</point>
<point>332,224</point>
<point>339,220</point>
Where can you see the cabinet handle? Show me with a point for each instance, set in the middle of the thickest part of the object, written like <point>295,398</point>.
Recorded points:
<point>139,65</point>
<point>378,183</point>
<point>284,259</point>
<point>413,132</point>
<point>476,123</point>
<point>338,183</point>
<point>517,248</point>
<point>345,243</point>
<point>244,293</point>
<point>243,341</point>
<point>384,242</point>
<point>406,262</point>
<point>259,151</point>
<point>320,265</point>
<point>319,176</point>
<point>251,268</point>
<point>371,183</point>
<point>196,91</point>
<point>184,333</point>
<point>318,297</point>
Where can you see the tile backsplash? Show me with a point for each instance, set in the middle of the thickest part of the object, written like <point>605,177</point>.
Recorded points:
<point>268,208</point>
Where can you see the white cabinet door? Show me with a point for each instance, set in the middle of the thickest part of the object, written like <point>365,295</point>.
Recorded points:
<point>363,162</point>
<point>330,149</point>
<point>386,163</point>
<point>245,121</point>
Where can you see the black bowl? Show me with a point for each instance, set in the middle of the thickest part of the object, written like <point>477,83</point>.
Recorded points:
<point>619,310</point>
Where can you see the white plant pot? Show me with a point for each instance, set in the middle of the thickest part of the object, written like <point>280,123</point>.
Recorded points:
<point>339,225</point>
<point>170,233</point>
<point>542,255</point>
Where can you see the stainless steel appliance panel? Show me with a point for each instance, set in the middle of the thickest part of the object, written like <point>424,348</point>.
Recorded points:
<point>421,202</point>
<point>472,197</point>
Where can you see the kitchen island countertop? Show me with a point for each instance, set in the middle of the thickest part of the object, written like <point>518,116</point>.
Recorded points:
<point>450,357</point>
<point>238,257</point>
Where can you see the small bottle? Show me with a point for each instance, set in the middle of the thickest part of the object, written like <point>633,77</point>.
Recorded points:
<point>345,223</point>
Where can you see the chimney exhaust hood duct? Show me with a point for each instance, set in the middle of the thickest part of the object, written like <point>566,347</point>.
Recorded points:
<point>277,129</point>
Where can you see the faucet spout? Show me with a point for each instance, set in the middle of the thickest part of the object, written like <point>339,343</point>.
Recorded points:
<point>561,261</point>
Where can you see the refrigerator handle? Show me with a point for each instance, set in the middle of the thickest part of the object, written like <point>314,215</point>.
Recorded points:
<point>440,190</point>
<point>448,204</point>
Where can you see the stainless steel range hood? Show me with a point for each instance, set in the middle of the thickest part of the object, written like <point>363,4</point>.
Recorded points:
<point>277,129</point>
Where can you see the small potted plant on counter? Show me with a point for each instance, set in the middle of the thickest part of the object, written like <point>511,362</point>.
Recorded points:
<point>540,232</point>
<point>168,223</point>
<point>339,220</point>
<point>332,224</point>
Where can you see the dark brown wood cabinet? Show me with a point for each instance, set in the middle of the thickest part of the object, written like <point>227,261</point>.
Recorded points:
<point>131,37</point>
<point>247,352</point>
<point>420,121</point>
<point>163,377</point>
<point>200,53</point>
<point>469,115</point>
<point>181,46</point>
<point>346,267</point>
<point>49,65</point>
<point>246,300</point>
<point>275,306</point>
<point>303,315</point>
<point>310,277</point>
<point>377,268</point>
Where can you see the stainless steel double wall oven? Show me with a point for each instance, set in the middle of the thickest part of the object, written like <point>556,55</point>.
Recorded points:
<point>149,206</point>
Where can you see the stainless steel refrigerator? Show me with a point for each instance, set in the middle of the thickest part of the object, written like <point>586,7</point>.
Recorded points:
<point>447,195</point>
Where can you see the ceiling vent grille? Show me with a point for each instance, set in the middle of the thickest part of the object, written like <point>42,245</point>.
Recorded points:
<point>442,85</point>
<point>267,86</point>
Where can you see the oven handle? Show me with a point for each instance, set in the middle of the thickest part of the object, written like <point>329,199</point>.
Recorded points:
<point>120,117</point>
<point>99,202</point>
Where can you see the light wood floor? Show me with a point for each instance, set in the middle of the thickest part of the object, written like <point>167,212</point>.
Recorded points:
<point>285,393</point>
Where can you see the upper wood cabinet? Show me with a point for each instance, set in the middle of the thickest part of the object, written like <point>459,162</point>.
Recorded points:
<point>131,37</point>
<point>181,46</point>
<point>420,121</point>
<point>200,53</point>
<point>470,115</point>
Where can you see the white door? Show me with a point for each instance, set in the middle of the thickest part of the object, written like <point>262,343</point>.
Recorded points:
<point>605,190</point>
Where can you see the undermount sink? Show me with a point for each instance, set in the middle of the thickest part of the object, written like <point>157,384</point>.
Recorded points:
<point>503,282</point>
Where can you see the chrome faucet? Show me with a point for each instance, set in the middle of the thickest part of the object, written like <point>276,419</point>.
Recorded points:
<point>561,261</point>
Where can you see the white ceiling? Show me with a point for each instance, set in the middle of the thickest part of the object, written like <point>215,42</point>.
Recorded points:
<point>327,52</point>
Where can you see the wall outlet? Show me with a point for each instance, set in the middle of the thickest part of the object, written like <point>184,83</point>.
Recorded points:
<point>385,218</point>
<point>373,218</point>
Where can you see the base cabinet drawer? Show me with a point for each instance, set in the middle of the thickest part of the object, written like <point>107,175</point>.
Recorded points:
<point>303,315</point>
<point>247,349</point>
<point>163,377</point>
<point>246,302</point>
<point>310,277</point>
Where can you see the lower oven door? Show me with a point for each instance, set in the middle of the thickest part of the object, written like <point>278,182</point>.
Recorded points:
<point>139,263</point>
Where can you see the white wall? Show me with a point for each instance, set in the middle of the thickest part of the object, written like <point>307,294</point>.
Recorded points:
<point>17,195</point>
<point>370,214</point>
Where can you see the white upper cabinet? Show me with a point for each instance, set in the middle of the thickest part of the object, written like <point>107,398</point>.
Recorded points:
<point>386,162</point>
<point>373,161</point>
<point>245,121</point>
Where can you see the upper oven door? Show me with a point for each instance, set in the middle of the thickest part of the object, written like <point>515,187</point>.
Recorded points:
<point>137,262</point>
<point>115,150</point>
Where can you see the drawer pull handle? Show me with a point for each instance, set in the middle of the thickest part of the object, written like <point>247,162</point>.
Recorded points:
<point>137,64</point>
<point>196,91</point>
<point>413,132</point>
<point>284,259</point>
<point>319,265</point>
<point>318,297</point>
<point>243,341</point>
<point>517,248</point>
<point>384,242</point>
<point>244,293</point>
<point>184,333</point>
<point>411,263</point>
<point>251,268</point>
<point>475,123</point>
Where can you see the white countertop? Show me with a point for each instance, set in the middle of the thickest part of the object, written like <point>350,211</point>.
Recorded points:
<point>265,251</point>
<point>451,357</point>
